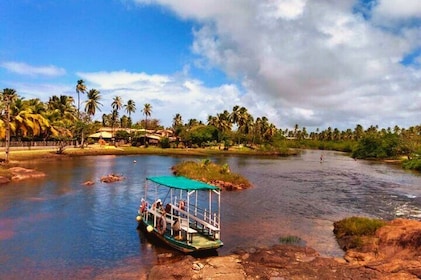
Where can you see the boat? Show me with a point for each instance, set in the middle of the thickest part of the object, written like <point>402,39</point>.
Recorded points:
<point>182,213</point>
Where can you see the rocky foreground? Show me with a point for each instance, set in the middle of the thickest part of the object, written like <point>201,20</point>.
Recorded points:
<point>393,253</point>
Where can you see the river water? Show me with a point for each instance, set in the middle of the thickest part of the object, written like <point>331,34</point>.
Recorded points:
<point>58,228</point>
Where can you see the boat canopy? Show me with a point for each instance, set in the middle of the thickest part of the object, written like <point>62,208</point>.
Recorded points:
<point>181,183</point>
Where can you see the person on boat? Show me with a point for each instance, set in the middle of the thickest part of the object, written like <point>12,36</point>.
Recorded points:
<point>162,224</point>
<point>143,206</point>
<point>182,205</point>
<point>176,227</point>
<point>157,205</point>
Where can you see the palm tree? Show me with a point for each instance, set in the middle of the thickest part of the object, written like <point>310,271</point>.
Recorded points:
<point>8,96</point>
<point>147,110</point>
<point>80,88</point>
<point>193,122</point>
<point>130,108</point>
<point>117,103</point>
<point>92,104</point>
<point>235,115</point>
<point>61,110</point>
<point>177,121</point>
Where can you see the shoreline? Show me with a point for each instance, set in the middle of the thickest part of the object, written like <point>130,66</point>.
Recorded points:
<point>23,154</point>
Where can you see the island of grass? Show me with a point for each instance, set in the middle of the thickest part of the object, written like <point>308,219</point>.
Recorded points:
<point>211,173</point>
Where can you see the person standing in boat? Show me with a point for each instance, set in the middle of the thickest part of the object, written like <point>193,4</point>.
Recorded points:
<point>157,205</point>
<point>142,207</point>
<point>162,224</point>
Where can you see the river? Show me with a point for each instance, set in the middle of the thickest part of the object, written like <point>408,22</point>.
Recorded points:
<point>57,227</point>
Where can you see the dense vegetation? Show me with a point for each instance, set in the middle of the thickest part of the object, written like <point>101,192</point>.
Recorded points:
<point>350,232</point>
<point>60,119</point>
<point>208,171</point>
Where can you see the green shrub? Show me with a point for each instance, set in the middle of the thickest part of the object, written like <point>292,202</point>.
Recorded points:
<point>351,232</point>
<point>207,171</point>
<point>290,239</point>
<point>414,164</point>
<point>357,226</point>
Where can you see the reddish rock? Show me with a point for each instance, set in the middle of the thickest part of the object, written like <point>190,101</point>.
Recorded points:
<point>395,253</point>
<point>20,173</point>
<point>4,180</point>
<point>89,183</point>
<point>111,178</point>
<point>395,248</point>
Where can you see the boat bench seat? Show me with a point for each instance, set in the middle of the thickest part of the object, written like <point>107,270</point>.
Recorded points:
<point>192,217</point>
<point>183,225</point>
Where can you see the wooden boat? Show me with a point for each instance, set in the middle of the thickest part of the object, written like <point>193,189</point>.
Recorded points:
<point>182,213</point>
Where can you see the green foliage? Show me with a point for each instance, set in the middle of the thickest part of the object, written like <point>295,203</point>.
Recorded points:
<point>414,164</point>
<point>199,135</point>
<point>122,134</point>
<point>290,239</point>
<point>375,146</point>
<point>208,171</point>
<point>165,143</point>
<point>357,226</point>
<point>350,232</point>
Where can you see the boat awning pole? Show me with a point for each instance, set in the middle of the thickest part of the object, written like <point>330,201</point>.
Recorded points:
<point>210,206</point>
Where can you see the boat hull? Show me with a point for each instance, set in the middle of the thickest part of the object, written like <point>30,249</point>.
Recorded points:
<point>180,245</point>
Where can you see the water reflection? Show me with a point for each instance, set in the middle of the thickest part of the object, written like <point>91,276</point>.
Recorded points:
<point>57,227</point>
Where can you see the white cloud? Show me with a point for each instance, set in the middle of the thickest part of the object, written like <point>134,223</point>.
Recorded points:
<point>26,69</point>
<point>168,95</point>
<point>123,79</point>
<point>314,63</point>
<point>401,9</point>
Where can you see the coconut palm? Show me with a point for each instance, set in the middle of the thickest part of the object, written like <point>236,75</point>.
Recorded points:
<point>130,108</point>
<point>177,121</point>
<point>117,103</point>
<point>147,110</point>
<point>92,104</point>
<point>61,110</point>
<point>80,88</point>
<point>7,97</point>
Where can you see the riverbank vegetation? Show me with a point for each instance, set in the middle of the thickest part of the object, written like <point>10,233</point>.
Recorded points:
<point>351,232</point>
<point>66,124</point>
<point>210,172</point>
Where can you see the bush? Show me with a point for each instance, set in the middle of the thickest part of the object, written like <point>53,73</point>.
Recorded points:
<point>208,171</point>
<point>350,232</point>
<point>357,226</point>
<point>373,146</point>
<point>290,239</point>
<point>414,164</point>
<point>165,143</point>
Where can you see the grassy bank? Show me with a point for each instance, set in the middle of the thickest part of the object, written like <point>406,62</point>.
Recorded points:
<point>208,171</point>
<point>354,231</point>
<point>27,154</point>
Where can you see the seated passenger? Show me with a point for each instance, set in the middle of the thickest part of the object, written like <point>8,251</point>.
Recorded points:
<point>157,205</point>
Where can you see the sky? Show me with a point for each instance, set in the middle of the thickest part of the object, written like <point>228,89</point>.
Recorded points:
<point>318,64</point>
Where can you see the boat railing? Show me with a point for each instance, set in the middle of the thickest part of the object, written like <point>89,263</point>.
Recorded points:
<point>190,222</point>
<point>170,219</point>
<point>205,215</point>
<point>207,224</point>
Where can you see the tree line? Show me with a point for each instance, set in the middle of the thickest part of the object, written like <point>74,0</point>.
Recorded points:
<point>61,119</point>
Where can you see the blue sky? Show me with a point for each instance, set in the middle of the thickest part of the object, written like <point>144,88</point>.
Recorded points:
<point>313,63</point>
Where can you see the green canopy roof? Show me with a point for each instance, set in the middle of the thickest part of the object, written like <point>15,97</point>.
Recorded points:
<point>180,182</point>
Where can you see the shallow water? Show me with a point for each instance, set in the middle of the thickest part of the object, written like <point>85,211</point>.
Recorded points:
<point>58,228</point>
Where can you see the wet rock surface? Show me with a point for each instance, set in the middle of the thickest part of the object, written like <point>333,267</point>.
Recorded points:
<point>394,248</point>
<point>20,173</point>
<point>111,178</point>
<point>277,262</point>
<point>394,253</point>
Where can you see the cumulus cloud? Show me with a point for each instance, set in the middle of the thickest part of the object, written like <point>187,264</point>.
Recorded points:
<point>168,94</point>
<point>315,63</point>
<point>402,9</point>
<point>30,70</point>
